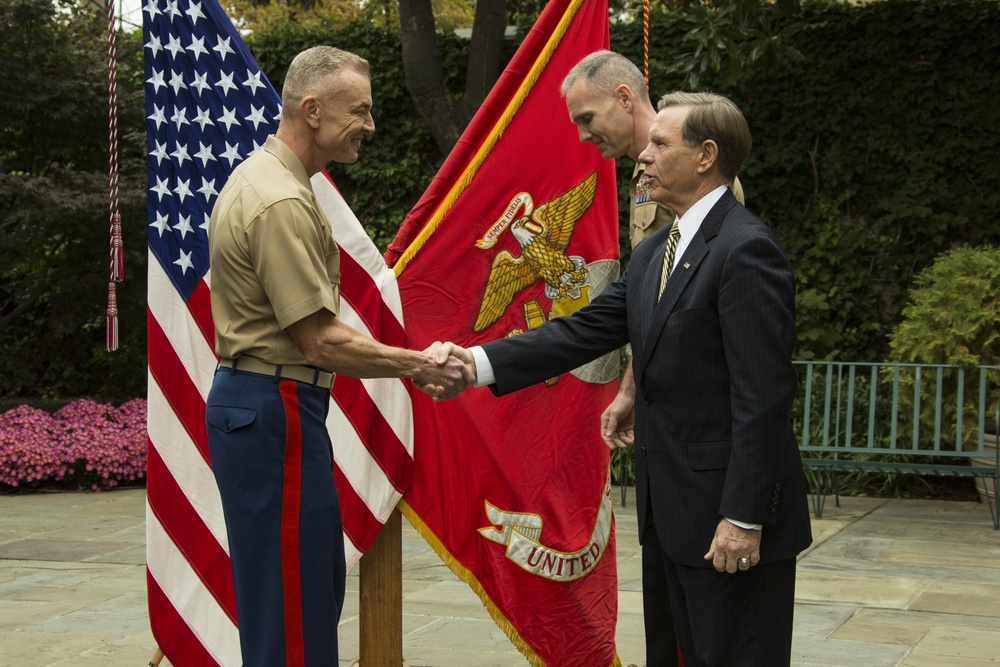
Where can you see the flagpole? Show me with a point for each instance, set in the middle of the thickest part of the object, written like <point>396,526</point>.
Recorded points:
<point>381,598</point>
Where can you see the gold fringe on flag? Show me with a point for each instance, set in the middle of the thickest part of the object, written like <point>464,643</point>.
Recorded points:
<point>465,575</point>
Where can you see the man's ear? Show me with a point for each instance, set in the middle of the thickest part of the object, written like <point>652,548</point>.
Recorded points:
<point>309,108</point>
<point>709,156</point>
<point>625,96</point>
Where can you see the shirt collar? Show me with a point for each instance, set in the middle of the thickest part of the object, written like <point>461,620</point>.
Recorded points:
<point>288,158</point>
<point>690,222</point>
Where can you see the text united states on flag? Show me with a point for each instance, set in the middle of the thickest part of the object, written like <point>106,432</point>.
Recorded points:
<point>209,107</point>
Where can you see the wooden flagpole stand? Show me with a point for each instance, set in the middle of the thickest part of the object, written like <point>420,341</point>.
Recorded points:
<point>381,598</point>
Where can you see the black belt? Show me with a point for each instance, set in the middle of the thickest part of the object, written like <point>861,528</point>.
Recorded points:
<point>307,374</point>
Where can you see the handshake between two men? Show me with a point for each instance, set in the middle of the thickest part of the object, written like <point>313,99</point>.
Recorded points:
<point>457,370</point>
<point>451,370</point>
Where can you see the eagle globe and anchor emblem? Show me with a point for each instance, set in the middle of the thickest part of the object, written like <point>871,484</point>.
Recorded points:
<point>543,233</point>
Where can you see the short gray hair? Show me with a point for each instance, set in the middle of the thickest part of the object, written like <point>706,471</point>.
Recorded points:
<point>712,116</point>
<point>605,71</point>
<point>310,68</point>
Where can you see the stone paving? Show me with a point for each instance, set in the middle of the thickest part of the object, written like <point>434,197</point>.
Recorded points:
<point>886,583</point>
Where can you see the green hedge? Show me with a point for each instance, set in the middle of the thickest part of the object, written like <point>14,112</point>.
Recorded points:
<point>874,153</point>
<point>871,156</point>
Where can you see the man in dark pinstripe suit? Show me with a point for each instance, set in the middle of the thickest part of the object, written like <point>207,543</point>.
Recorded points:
<point>720,491</point>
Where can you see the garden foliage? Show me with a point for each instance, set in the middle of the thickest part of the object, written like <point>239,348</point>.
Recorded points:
<point>84,445</point>
<point>874,151</point>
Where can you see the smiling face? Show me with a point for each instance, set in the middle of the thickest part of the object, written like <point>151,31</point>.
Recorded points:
<point>601,119</point>
<point>345,116</point>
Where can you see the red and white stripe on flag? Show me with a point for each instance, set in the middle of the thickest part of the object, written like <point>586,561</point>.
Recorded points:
<point>209,107</point>
<point>192,610</point>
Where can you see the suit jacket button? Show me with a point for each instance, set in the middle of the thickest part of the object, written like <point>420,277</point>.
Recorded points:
<point>649,400</point>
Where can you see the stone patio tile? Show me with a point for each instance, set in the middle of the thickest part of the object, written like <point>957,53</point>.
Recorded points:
<point>896,592</point>
<point>133,555</point>
<point>112,618</point>
<point>449,657</point>
<point>483,634</point>
<point>15,614</point>
<point>960,554</point>
<point>813,644</point>
<point>69,598</point>
<point>941,661</point>
<point>91,528</point>
<point>629,602</point>
<point>31,579</point>
<point>66,550</point>
<point>960,643</point>
<point>854,548</point>
<point>958,602</point>
<point>925,619</point>
<point>102,656</point>
<point>815,640</point>
<point>630,638</point>
<point>833,653</point>
<point>819,620</point>
<point>925,512</point>
<point>29,649</point>
<point>452,592</point>
<point>869,630</point>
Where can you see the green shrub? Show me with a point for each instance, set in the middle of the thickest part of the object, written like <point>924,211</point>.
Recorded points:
<point>952,318</point>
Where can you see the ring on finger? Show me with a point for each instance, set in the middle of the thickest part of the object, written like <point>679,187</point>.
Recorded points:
<point>743,562</point>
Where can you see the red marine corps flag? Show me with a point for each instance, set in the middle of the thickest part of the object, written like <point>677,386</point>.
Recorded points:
<point>520,226</point>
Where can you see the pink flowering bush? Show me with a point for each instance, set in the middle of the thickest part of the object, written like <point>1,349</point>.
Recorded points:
<point>84,445</point>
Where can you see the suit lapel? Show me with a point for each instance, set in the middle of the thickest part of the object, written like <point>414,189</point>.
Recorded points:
<point>655,317</point>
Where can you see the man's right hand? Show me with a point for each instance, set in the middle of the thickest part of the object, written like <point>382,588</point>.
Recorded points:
<point>444,376</point>
<point>455,364</point>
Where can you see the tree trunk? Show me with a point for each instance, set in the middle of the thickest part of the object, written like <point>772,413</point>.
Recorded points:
<point>424,76</point>
<point>445,116</point>
<point>485,52</point>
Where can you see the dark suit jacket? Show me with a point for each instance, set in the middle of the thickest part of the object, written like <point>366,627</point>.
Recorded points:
<point>714,376</point>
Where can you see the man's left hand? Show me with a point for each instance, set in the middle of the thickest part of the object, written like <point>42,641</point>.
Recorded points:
<point>730,544</point>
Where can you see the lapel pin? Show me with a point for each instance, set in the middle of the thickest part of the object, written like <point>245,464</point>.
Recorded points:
<point>687,265</point>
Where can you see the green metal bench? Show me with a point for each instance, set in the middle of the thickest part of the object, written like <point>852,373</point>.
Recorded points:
<point>921,419</point>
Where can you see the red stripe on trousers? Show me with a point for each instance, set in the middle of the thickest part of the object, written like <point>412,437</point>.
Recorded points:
<point>291,496</point>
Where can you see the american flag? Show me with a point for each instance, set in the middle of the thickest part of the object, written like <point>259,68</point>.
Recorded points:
<point>209,106</point>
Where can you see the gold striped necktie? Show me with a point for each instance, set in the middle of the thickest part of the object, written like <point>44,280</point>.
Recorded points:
<point>668,257</point>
